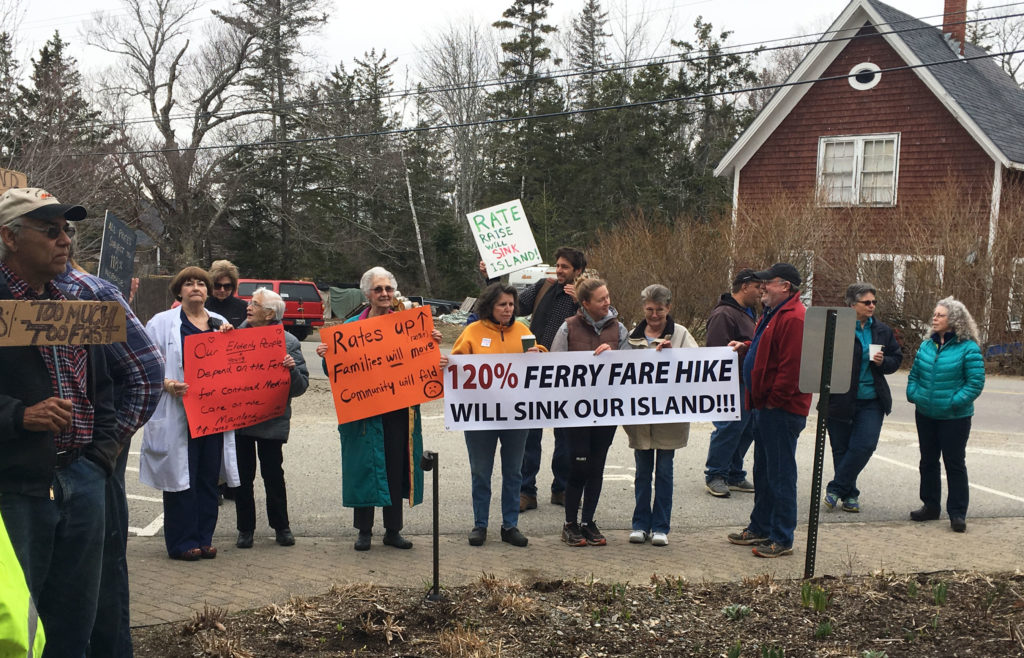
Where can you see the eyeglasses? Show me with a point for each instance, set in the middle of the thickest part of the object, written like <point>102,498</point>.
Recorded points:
<point>224,286</point>
<point>379,289</point>
<point>253,302</point>
<point>53,231</point>
<point>868,302</point>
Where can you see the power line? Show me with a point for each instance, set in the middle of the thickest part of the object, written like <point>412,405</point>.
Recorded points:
<point>549,115</point>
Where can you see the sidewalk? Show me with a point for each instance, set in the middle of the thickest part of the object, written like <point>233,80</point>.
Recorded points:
<point>164,590</point>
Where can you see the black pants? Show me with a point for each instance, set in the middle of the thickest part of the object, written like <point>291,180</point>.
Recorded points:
<point>588,450</point>
<point>947,438</point>
<point>396,465</point>
<point>271,458</point>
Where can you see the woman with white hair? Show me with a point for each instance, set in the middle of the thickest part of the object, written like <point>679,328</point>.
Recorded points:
<point>947,376</point>
<point>380,455</point>
<point>266,308</point>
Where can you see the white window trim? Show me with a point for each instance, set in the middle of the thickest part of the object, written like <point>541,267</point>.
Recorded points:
<point>899,270</point>
<point>1012,298</point>
<point>865,67</point>
<point>858,159</point>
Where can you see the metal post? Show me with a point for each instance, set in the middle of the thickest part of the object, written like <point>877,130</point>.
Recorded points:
<point>429,462</point>
<point>819,441</point>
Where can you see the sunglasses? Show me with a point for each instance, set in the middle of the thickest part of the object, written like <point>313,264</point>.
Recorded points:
<point>53,231</point>
<point>379,289</point>
<point>868,302</point>
<point>224,286</point>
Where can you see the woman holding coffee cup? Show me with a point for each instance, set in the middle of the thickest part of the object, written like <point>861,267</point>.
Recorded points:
<point>496,332</point>
<point>855,417</point>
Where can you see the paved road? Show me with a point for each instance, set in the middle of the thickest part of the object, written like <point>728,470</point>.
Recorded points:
<point>995,456</point>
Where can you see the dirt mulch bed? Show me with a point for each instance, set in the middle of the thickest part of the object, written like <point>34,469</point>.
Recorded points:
<point>941,614</point>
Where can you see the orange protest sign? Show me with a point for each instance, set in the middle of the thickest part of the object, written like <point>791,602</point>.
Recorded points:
<point>381,364</point>
<point>235,379</point>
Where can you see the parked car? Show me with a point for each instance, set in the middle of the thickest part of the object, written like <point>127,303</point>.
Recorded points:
<point>304,307</point>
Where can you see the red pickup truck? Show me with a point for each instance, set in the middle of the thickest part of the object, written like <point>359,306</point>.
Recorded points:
<point>303,305</point>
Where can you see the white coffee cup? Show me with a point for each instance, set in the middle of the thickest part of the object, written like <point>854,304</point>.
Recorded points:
<point>873,349</point>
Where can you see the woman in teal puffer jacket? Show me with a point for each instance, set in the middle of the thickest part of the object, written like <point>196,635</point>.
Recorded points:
<point>947,376</point>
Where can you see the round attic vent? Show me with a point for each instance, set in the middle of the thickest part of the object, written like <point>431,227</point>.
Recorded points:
<point>864,76</point>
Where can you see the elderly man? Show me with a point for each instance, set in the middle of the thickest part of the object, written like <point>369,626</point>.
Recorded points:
<point>771,374</point>
<point>58,432</point>
<point>137,369</point>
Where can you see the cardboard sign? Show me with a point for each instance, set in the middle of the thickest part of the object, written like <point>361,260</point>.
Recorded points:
<point>504,238</point>
<point>117,253</point>
<point>236,378</point>
<point>576,389</point>
<point>50,322</point>
<point>382,364</point>
<point>10,178</point>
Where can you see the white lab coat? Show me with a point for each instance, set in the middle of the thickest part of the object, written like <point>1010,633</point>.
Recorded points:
<point>164,460</point>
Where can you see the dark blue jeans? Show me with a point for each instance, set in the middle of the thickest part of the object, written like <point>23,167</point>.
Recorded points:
<point>59,544</point>
<point>853,443</point>
<point>645,517</point>
<point>481,445</point>
<point>190,516</point>
<point>775,435</point>
<point>727,448</point>
<point>111,634</point>
<point>948,439</point>
<point>531,461</point>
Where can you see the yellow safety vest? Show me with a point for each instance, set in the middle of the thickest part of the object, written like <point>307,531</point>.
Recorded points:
<point>21,632</point>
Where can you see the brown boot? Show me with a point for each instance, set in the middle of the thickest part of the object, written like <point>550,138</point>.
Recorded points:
<point>558,498</point>
<point>526,502</point>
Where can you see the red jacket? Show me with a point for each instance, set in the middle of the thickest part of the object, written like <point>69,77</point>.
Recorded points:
<point>775,379</point>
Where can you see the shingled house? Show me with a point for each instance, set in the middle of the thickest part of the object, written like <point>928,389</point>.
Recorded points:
<point>884,114</point>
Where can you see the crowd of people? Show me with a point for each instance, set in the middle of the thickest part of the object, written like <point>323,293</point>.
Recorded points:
<point>68,414</point>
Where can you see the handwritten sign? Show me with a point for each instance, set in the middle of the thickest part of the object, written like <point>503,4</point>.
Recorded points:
<point>117,253</point>
<point>49,322</point>
<point>575,389</point>
<point>236,379</point>
<point>382,364</point>
<point>504,238</point>
<point>10,178</point>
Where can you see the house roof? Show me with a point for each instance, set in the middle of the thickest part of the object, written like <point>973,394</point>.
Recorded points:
<point>984,99</point>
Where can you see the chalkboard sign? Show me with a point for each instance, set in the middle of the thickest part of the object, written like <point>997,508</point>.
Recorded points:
<point>117,253</point>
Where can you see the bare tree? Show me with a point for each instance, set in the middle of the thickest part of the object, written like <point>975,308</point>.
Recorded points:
<point>1003,32</point>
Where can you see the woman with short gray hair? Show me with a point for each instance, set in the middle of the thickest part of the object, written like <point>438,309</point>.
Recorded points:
<point>855,417</point>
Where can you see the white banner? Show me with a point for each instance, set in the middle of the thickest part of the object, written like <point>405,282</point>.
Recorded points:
<point>572,389</point>
<point>504,238</point>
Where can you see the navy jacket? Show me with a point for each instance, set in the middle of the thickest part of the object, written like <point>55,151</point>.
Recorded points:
<point>842,406</point>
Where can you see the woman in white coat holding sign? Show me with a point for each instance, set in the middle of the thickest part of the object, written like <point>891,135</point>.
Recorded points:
<point>184,467</point>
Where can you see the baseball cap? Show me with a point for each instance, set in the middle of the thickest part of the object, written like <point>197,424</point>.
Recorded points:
<point>36,203</point>
<point>783,271</point>
<point>744,276</point>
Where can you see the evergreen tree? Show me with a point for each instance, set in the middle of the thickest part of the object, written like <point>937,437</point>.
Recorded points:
<point>9,133</point>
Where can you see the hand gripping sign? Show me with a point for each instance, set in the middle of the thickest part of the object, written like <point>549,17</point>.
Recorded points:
<point>573,389</point>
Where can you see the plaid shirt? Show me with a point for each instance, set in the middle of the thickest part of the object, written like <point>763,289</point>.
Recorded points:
<point>136,365</point>
<point>562,308</point>
<point>68,366</point>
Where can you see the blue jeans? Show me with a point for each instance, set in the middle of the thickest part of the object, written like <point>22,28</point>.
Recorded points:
<point>727,448</point>
<point>481,445</point>
<point>531,461</point>
<point>853,443</point>
<point>775,435</point>
<point>659,518</point>
<point>111,634</point>
<point>948,439</point>
<point>59,543</point>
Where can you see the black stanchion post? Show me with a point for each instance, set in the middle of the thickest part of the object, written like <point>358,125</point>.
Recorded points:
<point>819,441</point>
<point>429,462</point>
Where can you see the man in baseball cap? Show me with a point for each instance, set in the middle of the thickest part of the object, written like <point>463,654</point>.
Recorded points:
<point>35,203</point>
<point>783,271</point>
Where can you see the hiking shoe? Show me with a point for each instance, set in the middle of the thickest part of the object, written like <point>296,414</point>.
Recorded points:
<point>924,513</point>
<point>744,485</point>
<point>558,498</point>
<point>746,538</point>
<point>637,537</point>
<point>831,500</point>
<point>659,539</point>
<point>526,501</point>
<point>851,504</point>
<point>477,536</point>
<point>572,535</point>
<point>718,488</point>
<point>513,536</point>
<point>593,534</point>
<point>771,550</point>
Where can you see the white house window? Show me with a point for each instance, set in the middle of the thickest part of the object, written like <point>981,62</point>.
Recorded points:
<point>896,274</point>
<point>858,170</point>
<point>1015,310</point>
<point>865,76</point>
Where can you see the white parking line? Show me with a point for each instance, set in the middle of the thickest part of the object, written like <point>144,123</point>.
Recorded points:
<point>131,468</point>
<point>148,499</point>
<point>909,467</point>
<point>151,529</point>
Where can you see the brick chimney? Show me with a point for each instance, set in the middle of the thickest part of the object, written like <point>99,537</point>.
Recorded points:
<point>954,15</point>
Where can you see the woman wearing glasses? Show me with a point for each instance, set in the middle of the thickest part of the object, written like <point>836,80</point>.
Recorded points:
<point>855,417</point>
<point>947,377</point>
<point>380,455</point>
<point>222,298</point>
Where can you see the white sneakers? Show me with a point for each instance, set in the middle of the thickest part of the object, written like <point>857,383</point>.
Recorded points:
<point>659,539</point>
<point>637,537</point>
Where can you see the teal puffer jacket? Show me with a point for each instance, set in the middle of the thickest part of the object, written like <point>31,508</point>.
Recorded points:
<point>946,379</point>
